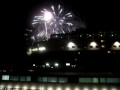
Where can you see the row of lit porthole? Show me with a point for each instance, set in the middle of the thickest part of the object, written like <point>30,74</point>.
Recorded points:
<point>17,87</point>
<point>54,65</point>
<point>93,44</point>
<point>72,46</point>
<point>48,65</point>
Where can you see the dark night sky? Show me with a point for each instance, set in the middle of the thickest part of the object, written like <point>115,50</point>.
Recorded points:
<point>16,16</point>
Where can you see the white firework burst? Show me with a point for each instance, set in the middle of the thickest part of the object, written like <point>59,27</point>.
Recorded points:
<point>52,21</point>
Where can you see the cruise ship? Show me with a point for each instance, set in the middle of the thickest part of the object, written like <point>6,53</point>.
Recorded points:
<point>76,61</point>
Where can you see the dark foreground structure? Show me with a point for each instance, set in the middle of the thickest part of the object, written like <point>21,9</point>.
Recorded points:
<point>77,61</point>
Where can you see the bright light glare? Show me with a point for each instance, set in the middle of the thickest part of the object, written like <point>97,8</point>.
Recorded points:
<point>102,40</point>
<point>76,88</point>
<point>113,89</point>
<point>103,46</point>
<point>29,51</point>
<point>56,64</point>
<point>47,16</point>
<point>42,48</point>
<point>9,86</point>
<point>104,88</point>
<point>25,87</point>
<point>67,64</point>
<point>33,87</point>
<point>67,88</point>
<point>58,88</point>
<point>117,44</point>
<point>71,45</point>
<point>47,64</point>
<point>95,89</point>
<point>93,44</point>
<point>41,88</point>
<point>50,88</point>
<point>85,89</point>
<point>33,64</point>
<point>35,49</point>
<point>109,51</point>
<point>17,86</point>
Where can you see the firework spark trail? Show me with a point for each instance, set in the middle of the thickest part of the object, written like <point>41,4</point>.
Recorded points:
<point>52,21</point>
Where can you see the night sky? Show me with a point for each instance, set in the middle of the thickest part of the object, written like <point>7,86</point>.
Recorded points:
<point>16,16</point>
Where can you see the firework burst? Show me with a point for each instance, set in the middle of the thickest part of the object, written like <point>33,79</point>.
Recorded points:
<point>53,21</point>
